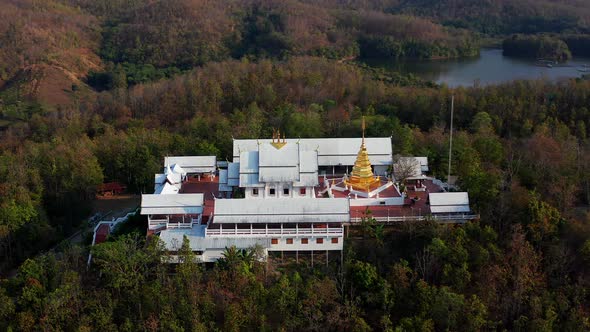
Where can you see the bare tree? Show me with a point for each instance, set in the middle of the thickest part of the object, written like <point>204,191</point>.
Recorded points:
<point>406,167</point>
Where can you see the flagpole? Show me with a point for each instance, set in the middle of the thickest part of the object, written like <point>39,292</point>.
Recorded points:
<point>451,140</point>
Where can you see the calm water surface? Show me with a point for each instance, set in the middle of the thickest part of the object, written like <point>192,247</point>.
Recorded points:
<point>490,67</point>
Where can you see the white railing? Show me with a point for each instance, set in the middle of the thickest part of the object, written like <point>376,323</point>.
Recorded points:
<point>155,222</point>
<point>179,225</point>
<point>272,231</point>
<point>459,218</point>
<point>189,223</point>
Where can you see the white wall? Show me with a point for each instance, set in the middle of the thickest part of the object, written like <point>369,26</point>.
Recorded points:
<point>311,245</point>
<point>279,193</point>
<point>377,201</point>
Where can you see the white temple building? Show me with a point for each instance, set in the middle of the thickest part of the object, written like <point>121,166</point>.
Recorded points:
<point>283,195</point>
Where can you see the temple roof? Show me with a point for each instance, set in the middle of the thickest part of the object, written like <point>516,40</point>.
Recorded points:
<point>270,164</point>
<point>193,164</point>
<point>171,204</point>
<point>331,151</point>
<point>281,210</point>
<point>449,202</point>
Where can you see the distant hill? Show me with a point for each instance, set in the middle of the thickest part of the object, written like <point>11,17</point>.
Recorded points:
<point>51,49</point>
<point>487,16</point>
<point>47,50</point>
<point>150,40</point>
<point>500,16</point>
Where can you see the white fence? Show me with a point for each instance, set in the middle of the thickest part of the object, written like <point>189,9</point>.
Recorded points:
<point>157,223</point>
<point>450,218</point>
<point>183,224</point>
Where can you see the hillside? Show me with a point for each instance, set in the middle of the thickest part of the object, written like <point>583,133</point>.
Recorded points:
<point>47,50</point>
<point>501,16</point>
<point>95,91</point>
<point>116,43</point>
<point>147,41</point>
<point>521,150</point>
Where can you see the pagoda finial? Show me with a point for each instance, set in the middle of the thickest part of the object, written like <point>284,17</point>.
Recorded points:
<point>363,127</point>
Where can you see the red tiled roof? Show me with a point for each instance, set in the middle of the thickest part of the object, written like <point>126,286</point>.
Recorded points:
<point>111,186</point>
<point>102,233</point>
<point>206,186</point>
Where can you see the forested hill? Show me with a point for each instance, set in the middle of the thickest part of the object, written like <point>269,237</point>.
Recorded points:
<point>521,150</point>
<point>111,44</point>
<point>114,43</point>
<point>94,91</point>
<point>492,16</point>
<point>46,51</point>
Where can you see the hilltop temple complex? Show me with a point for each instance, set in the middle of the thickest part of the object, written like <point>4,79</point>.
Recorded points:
<point>292,195</point>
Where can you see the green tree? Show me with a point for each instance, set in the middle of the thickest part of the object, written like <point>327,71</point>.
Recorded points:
<point>123,263</point>
<point>304,124</point>
<point>543,219</point>
<point>482,124</point>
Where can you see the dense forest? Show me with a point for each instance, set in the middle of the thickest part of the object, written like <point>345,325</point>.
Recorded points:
<point>97,91</point>
<point>536,47</point>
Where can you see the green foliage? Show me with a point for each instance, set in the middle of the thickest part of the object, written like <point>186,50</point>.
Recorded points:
<point>499,17</point>
<point>304,124</point>
<point>129,285</point>
<point>536,47</point>
<point>126,73</point>
<point>364,275</point>
<point>264,34</point>
<point>123,262</point>
<point>387,47</point>
<point>585,251</point>
<point>239,262</point>
<point>482,123</point>
<point>544,221</point>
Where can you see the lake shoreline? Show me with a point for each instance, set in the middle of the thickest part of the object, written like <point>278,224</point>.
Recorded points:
<point>489,68</point>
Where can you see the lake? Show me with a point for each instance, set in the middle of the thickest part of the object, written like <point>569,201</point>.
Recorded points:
<point>491,67</point>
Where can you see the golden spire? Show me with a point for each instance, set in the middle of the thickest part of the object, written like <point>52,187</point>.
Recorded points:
<point>362,177</point>
<point>363,127</point>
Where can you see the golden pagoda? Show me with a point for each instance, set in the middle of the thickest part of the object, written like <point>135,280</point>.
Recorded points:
<point>362,177</point>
